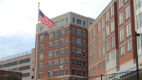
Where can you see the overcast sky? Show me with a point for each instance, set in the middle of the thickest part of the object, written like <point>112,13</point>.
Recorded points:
<point>19,17</point>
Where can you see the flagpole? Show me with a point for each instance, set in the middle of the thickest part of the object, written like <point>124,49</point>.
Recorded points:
<point>37,43</point>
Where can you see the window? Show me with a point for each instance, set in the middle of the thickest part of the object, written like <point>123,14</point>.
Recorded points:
<point>84,52</point>
<point>61,72</point>
<point>55,62</point>
<point>66,50</point>
<point>23,61</point>
<point>61,61</point>
<point>129,46</point>
<point>79,42</point>
<point>50,54</point>
<point>93,32</point>
<point>112,10</point>
<point>99,65</point>
<point>94,57</point>
<point>78,51</point>
<point>78,62</point>
<point>56,43</point>
<point>50,45</point>
<point>84,24</point>
<point>55,53</point>
<point>40,66</point>
<point>49,73</point>
<point>120,18</point>
<point>73,41</point>
<point>49,64</point>
<point>79,21</point>
<point>99,27</point>
<point>107,16</point>
<point>73,71</point>
<point>90,46</point>
<point>127,12</point>
<point>66,60</point>
<point>94,69</point>
<point>103,36</point>
<point>121,35</point>
<point>84,34</point>
<point>67,31</point>
<point>107,30</point>
<point>73,61</point>
<point>78,32</point>
<point>104,63</point>
<point>61,42</point>
<point>73,50</point>
<point>24,68</point>
<point>50,35</point>
<point>113,54</point>
<point>112,41</point>
<point>67,40</point>
<point>25,74</point>
<point>107,58</point>
<point>99,53</point>
<point>55,73</point>
<point>73,31</point>
<point>56,23</point>
<point>78,72</point>
<point>41,47</point>
<point>94,44</point>
<point>107,45</point>
<point>41,57</point>
<point>84,44</point>
<point>99,39</point>
<point>40,75</point>
<point>62,52</point>
<point>73,20</point>
<point>66,71</point>
<point>103,23</point>
<point>121,50</point>
<point>62,32</point>
<point>90,35</point>
<point>119,4</point>
<point>41,28</point>
<point>56,34</point>
<point>62,21</point>
<point>112,25</point>
<point>128,30</point>
<point>41,38</point>
<point>66,19</point>
<point>103,50</point>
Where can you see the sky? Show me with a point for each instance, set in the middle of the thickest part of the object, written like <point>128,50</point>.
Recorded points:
<point>18,19</point>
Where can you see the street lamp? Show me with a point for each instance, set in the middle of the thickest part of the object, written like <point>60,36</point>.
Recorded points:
<point>137,63</point>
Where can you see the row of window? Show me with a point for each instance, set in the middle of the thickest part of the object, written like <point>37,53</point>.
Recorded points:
<point>101,65</point>
<point>25,74</point>
<point>128,46</point>
<point>60,62</point>
<point>56,34</point>
<point>106,33</point>
<point>21,68</point>
<point>78,51</point>
<point>56,44</point>
<point>120,3</point>
<point>105,47</point>
<point>15,63</point>
<point>78,72</point>
<point>79,21</point>
<point>79,42</point>
<point>79,32</point>
<point>78,62</point>
<point>128,32</point>
<point>127,15</point>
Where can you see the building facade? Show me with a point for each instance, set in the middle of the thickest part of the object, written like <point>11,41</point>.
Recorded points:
<point>22,62</point>
<point>62,49</point>
<point>138,27</point>
<point>111,46</point>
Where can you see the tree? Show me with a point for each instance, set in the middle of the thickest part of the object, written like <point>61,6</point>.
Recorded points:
<point>11,76</point>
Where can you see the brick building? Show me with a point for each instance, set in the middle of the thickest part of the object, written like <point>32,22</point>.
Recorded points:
<point>111,46</point>
<point>62,49</point>
<point>21,62</point>
<point>4,73</point>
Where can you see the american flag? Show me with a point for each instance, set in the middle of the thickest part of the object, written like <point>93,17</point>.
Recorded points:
<point>44,19</point>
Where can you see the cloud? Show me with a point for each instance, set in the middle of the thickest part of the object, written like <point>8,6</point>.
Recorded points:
<point>18,19</point>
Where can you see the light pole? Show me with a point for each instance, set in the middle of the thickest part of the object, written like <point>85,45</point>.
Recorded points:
<point>137,62</point>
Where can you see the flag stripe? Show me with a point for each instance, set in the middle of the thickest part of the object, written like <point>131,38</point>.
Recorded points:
<point>45,20</point>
